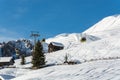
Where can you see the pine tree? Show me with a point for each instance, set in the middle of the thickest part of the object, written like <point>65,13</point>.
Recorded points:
<point>66,58</point>
<point>22,59</point>
<point>38,59</point>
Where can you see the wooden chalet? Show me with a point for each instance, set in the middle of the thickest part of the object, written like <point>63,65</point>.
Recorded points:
<point>55,46</point>
<point>6,61</point>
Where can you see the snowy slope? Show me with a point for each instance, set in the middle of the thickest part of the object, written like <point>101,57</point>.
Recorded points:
<point>106,27</point>
<point>107,46</point>
<point>96,70</point>
<point>100,49</point>
<point>71,39</point>
<point>100,70</point>
<point>99,57</point>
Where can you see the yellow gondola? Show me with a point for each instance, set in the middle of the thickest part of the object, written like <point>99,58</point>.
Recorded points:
<point>83,39</point>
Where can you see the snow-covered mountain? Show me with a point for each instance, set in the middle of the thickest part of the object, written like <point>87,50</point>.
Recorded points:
<point>109,26</point>
<point>99,56</point>
<point>106,44</point>
<point>23,45</point>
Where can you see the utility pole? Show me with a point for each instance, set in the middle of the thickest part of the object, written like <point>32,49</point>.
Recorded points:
<point>35,34</point>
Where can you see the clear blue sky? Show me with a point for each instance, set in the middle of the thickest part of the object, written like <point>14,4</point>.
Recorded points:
<point>52,17</point>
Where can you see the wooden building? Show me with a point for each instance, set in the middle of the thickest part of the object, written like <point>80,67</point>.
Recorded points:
<point>6,61</point>
<point>55,46</point>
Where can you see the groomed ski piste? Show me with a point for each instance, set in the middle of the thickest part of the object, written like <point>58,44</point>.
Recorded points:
<point>98,58</point>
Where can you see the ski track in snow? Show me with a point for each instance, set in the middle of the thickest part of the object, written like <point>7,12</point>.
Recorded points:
<point>98,70</point>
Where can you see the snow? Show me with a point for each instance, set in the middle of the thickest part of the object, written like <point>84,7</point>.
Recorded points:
<point>105,27</point>
<point>98,57</point>
<point>5,59</point>
<point>96,70</point>
<point>1,77</point>
<point>71,39</point>
<point>57,44</point>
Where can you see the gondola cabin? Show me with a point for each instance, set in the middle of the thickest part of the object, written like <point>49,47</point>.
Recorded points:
<point>55,46</point>
<point>83,39</point>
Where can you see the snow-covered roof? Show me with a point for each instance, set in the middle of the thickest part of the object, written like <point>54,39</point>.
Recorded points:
<point>57,44</point>
<point>5,59</point>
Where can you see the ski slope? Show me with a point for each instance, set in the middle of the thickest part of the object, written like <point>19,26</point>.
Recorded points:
<point>95,70</point>
<point>99,70</point>
<point>98,57</point>
<point>71,39</point>
<point>107,27</point>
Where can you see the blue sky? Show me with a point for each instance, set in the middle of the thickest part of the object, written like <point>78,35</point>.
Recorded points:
<point>51,17</point>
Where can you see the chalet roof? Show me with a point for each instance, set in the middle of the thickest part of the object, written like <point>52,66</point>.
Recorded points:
<point>57,44</point>
<point>5,59</point>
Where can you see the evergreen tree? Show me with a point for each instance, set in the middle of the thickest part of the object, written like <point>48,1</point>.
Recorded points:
<point>22,59</point>
<point>38,59</point>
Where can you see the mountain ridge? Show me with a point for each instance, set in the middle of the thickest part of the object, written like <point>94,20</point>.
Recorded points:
<point>110,23</point>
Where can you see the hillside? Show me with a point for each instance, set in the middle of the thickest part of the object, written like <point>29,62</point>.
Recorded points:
<point>98,70</point>
<point>109,26</point>
<point>98,58</point>
<point>71,39</point>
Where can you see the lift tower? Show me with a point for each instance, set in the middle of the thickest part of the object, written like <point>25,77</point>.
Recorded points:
<point>35,34</point>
